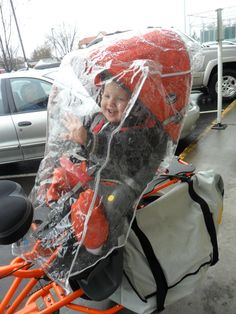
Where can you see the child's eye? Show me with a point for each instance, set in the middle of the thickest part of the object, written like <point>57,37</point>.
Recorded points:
<point>122,99</point>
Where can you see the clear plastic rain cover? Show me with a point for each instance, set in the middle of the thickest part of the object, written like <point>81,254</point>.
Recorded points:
<point>115,114</point>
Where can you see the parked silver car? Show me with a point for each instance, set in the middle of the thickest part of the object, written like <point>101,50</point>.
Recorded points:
<point>23,114</point>
<point>206,78</point>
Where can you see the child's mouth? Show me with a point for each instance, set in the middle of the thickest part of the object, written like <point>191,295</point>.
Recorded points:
<point>111,112</point>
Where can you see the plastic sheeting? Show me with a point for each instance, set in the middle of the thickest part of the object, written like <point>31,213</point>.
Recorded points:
<point>115,114</point>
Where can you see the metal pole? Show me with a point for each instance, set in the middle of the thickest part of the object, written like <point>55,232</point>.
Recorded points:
<point>219,87</point>
<point>219,38</point>
<point>18,31</point>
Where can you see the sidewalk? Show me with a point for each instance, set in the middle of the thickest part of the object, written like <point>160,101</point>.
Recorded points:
<point>216,149</point>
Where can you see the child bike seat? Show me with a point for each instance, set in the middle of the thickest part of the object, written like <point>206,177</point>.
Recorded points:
<point>16,212</point>
<point>104,278</point>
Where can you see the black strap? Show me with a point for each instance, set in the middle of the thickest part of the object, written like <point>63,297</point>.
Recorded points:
<point>155,266</point>
<point>208,218</point>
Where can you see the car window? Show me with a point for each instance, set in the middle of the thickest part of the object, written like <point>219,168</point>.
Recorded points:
<point>30,94</point>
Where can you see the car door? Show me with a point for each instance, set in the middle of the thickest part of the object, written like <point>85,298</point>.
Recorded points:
<point>10,149</point>
<point>29,113</point>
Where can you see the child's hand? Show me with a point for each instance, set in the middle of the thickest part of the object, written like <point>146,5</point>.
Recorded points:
<point>76,132</point>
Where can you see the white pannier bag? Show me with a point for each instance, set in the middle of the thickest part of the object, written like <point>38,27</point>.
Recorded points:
<point>172,243</point>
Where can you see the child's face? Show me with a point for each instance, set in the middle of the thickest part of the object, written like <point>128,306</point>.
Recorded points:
<point>114,101</point>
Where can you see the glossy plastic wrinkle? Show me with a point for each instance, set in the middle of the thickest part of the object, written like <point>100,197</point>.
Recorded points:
<point>115,114</point>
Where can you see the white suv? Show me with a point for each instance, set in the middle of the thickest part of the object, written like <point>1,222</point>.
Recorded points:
<point>206,76</point>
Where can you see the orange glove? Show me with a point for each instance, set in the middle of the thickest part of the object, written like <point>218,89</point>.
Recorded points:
<point>66,177</point>
<point>76,172</point>
<point>60,184</point>
<point>97,227</point>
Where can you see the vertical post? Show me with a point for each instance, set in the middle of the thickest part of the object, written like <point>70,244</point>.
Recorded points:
<point>220,37</point>
<point>18,31</point>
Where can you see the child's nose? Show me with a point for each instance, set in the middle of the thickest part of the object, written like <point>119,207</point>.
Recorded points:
<point>112,101</point>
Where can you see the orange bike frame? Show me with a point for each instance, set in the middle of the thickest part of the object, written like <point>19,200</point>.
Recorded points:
<point>46,300</point>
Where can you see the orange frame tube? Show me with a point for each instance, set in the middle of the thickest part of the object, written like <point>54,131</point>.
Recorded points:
<point>44,294</point>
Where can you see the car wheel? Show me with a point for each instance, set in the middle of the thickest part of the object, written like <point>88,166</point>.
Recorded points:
<point>228,85</point>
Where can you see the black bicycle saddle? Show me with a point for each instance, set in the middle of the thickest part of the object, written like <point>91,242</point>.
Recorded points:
<point>16,212</point>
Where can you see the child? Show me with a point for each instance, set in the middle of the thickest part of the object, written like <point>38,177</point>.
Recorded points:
<point>123,148</point>
<point>133,141</point>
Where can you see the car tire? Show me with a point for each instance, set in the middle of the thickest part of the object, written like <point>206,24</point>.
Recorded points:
<point>228,85</point>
